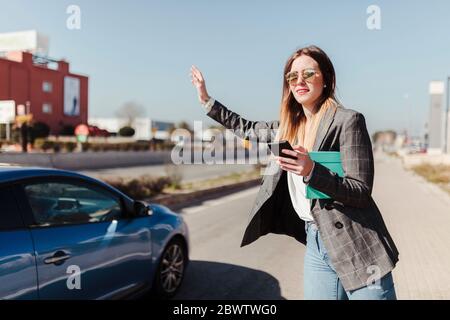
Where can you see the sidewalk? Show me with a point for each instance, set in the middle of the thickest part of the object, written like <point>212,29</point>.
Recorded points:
<point>417,214</point>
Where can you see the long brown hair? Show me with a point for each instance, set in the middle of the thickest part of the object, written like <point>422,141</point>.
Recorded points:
<point>292,117</point>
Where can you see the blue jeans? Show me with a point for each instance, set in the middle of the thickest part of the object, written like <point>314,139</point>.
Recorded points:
<point>322,283</point>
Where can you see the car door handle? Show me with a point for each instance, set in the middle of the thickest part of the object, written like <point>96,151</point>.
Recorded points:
<point>58,258</point>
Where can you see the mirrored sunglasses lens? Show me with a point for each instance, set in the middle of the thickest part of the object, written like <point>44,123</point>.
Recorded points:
<point>292,78</point>
<point>308,74</point>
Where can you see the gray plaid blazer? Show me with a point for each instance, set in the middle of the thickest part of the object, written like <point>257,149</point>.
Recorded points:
<point>350,223</point>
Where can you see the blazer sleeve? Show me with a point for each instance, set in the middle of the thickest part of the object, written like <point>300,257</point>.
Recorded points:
<point>355,188</point>
<point>259,131</point>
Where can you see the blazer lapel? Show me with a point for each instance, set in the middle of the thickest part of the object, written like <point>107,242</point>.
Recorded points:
<point>324,125</point>
<point>322,131</point>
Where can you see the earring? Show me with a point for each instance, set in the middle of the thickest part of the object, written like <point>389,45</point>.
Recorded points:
<point>325,86</point>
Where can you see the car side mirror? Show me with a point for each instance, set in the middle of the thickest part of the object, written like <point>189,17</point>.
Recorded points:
<point>142,209</point>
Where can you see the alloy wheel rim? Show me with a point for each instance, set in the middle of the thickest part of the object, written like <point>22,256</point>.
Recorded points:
<point>172,268</point>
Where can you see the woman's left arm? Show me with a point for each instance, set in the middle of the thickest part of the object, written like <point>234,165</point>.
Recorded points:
<point>355,188</point>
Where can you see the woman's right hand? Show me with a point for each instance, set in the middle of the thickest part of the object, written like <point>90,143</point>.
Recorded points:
<point>199,82</point>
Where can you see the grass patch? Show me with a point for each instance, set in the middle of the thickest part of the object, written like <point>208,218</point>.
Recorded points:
<point>438,174</point>
<point>393,154</point>
<point>148,186</point>
<point>231,178</point>
<point>140,188</point>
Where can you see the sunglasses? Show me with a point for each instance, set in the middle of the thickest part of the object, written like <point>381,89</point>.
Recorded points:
<point>307,75</point>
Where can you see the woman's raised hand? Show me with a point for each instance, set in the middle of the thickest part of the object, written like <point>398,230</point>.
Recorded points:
<point>199,82</point>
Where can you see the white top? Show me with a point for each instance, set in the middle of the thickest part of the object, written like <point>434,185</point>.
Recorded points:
<point>297,191</point>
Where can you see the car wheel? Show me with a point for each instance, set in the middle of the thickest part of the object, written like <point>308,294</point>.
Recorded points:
<point>171,269</point>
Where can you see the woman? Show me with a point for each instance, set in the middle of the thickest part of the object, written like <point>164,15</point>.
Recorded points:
<point>349,252</point>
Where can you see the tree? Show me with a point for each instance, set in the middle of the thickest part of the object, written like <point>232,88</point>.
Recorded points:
<point>171,128</point>
<point>67,130</point>
<point>130,111</point>
<point>126,131</point>
<point>39,130</point>
<point>392,133</point>
<point>184,125</point>
<point>386,134</point>
<point>375,136</point>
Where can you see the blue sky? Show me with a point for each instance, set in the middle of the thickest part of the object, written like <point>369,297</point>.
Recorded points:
<point>141,51</point>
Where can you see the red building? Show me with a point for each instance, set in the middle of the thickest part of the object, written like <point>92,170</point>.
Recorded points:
<point>52,95</point>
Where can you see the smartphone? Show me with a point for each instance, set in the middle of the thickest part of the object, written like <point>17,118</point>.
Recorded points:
<point>277,146</point>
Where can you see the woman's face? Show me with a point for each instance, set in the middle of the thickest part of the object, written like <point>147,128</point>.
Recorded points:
<point>306,92</point>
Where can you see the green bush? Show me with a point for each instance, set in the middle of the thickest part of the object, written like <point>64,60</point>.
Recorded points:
<point>85,146</point>
<point>70,146</point>
<point>39,130</point>
<point>47,145</point>
<point>125,146</point>
<point>56,147</point>
<point>96,147</point>
<point>39,143</point>
<point>67,130</point>
<point>141,188</point>
<point>140,146</point>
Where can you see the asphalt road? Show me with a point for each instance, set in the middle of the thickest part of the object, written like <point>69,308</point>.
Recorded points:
<point>269,268</point>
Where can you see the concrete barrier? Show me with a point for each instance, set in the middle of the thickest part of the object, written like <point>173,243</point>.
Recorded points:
<point>88,160</point>
<point>100,160</point>
<point>411,160</point>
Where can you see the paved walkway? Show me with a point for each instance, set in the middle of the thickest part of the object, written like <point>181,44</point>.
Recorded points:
<point>417,214</point>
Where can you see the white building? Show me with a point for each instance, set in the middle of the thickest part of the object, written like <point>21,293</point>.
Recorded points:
<point>448,133</point>
<point>29,41</point>
<point>145,128</point>
<point>436,121</point>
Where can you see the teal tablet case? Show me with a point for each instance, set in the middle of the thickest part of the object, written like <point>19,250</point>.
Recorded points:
<point>329,159</point>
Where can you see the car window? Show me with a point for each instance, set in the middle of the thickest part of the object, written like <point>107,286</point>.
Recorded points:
<point>55,203</point>
<point>10,217</point>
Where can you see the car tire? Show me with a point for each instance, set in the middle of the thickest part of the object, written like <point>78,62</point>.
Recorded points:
<point>171,270</point>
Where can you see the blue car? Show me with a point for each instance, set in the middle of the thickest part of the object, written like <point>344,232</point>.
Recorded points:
<point>64,235</point>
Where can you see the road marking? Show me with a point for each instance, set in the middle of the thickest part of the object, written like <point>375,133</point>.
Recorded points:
<point>220,201</point>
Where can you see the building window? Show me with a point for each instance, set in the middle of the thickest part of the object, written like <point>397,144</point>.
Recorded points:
<point>47,108</point>
<point>47,86</point>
